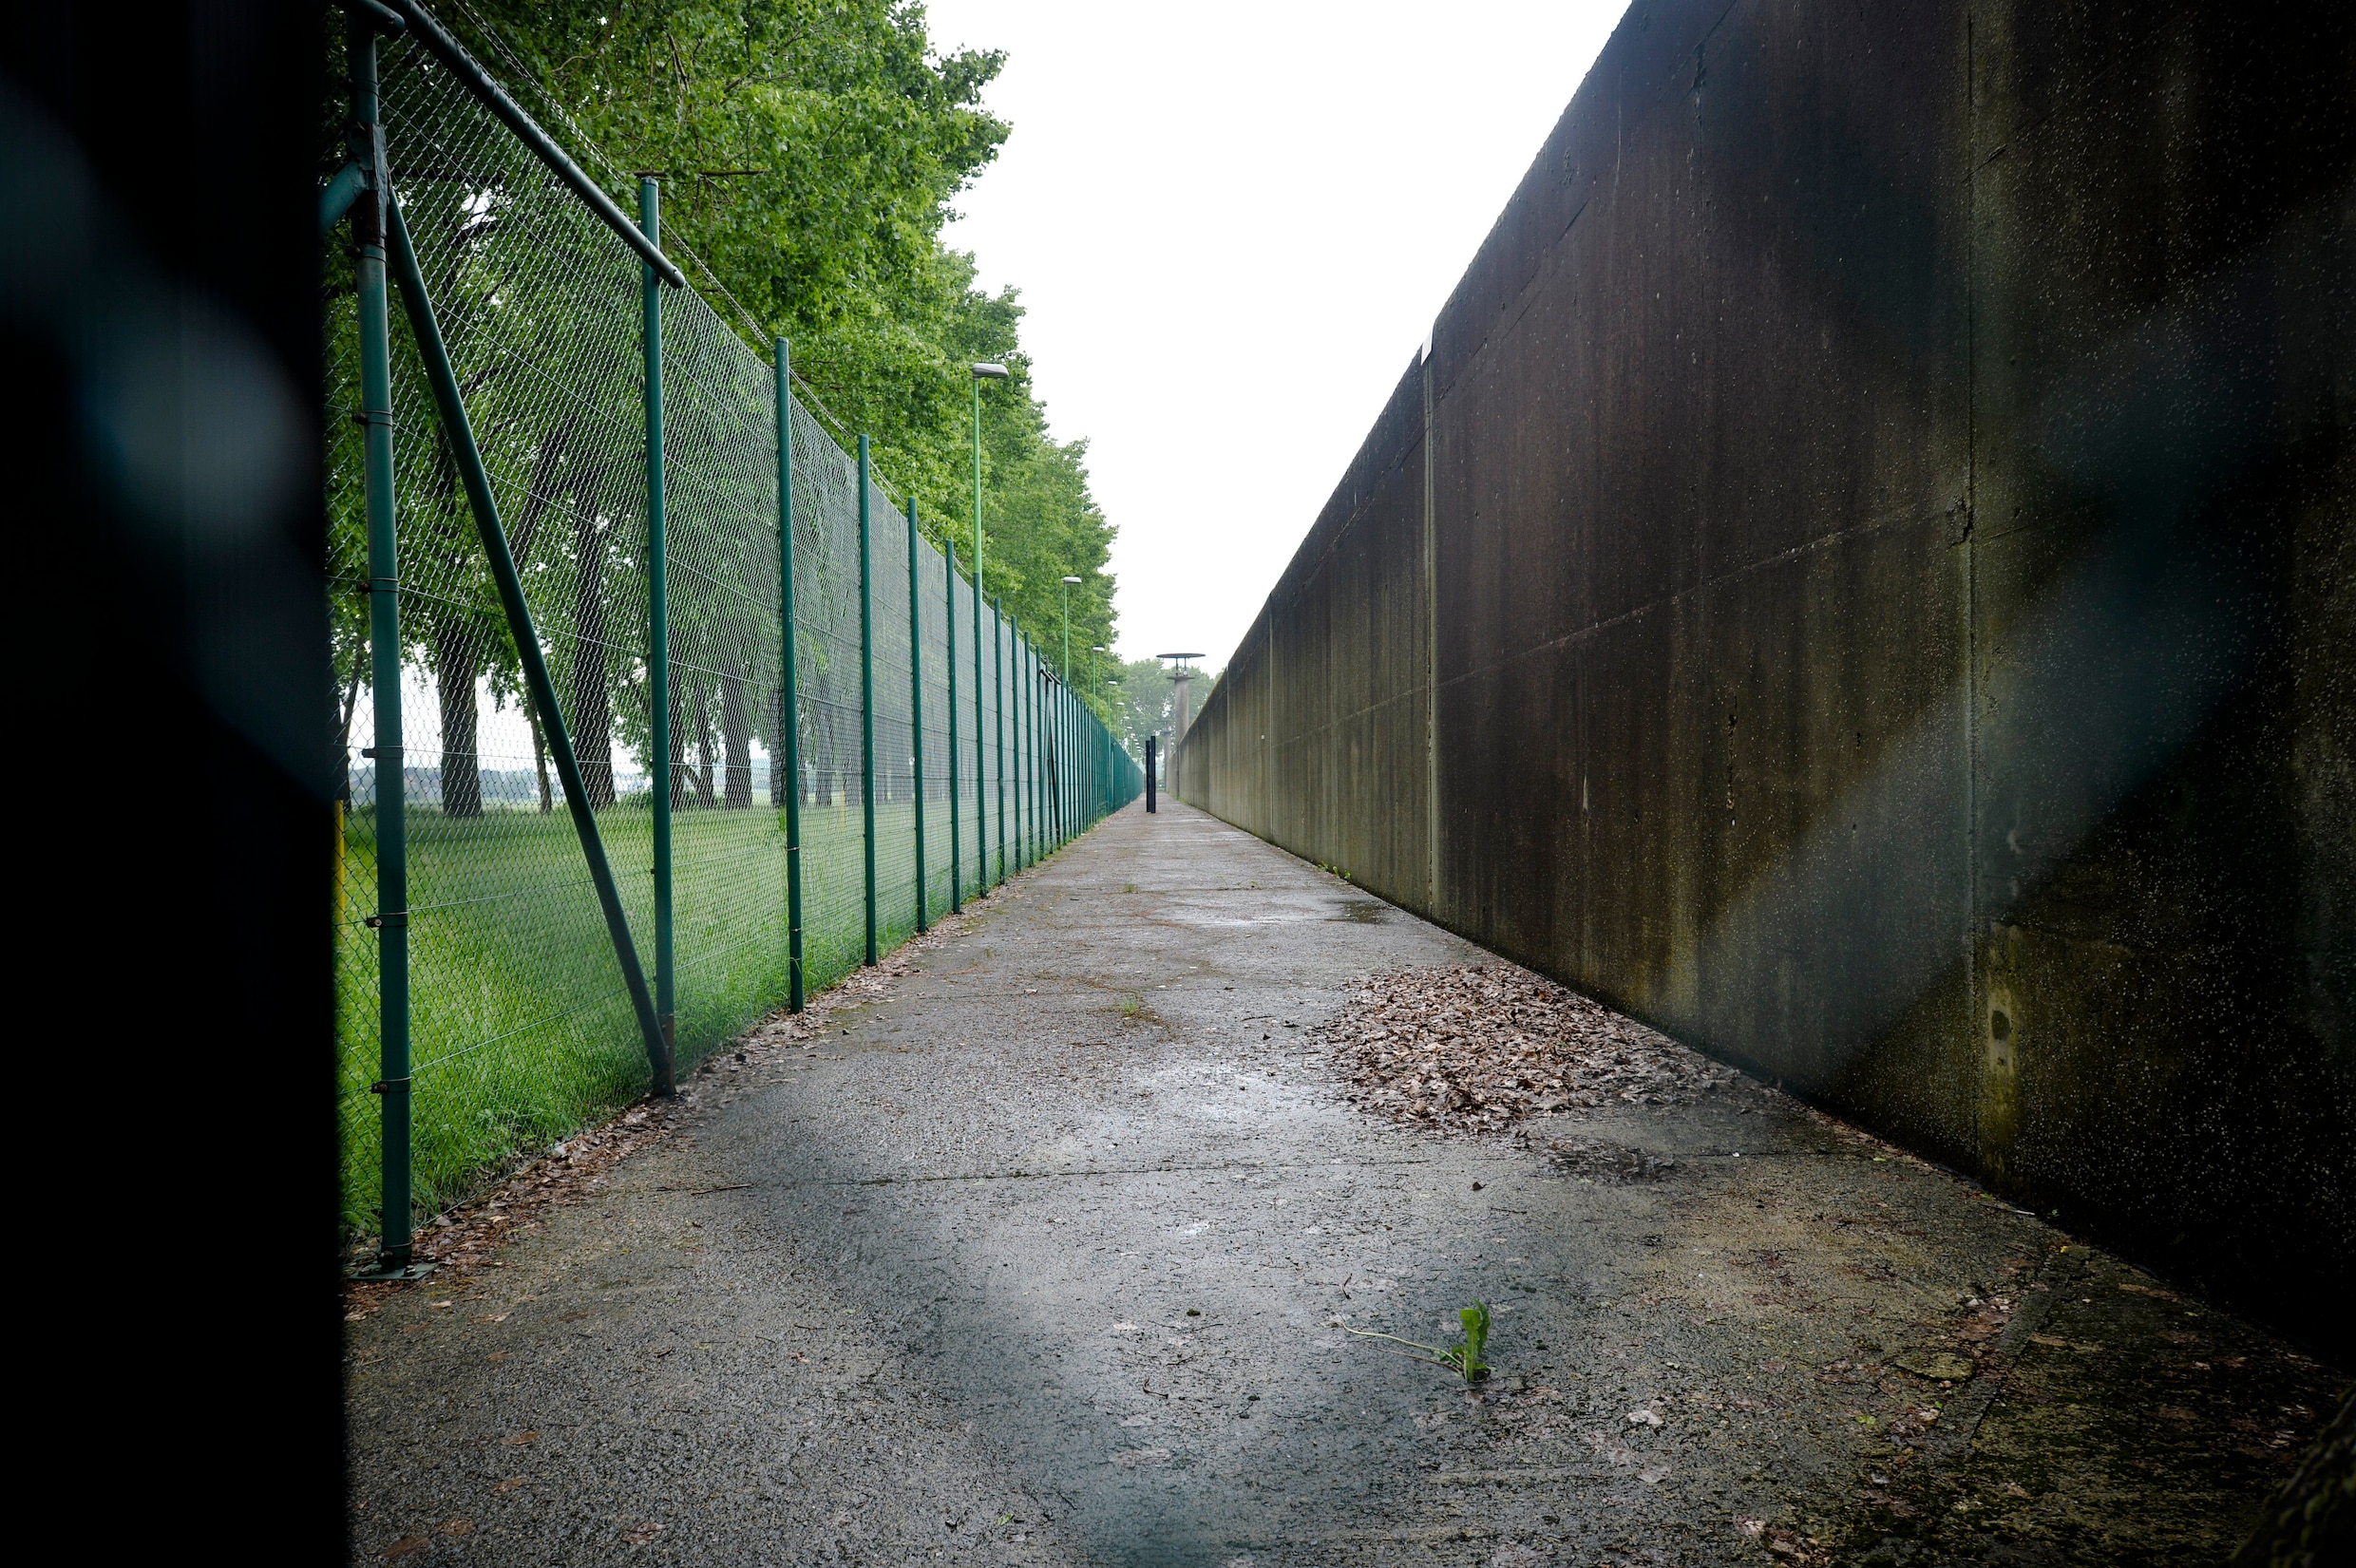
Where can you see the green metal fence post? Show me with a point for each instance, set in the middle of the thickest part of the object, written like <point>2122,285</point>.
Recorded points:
<point>1026,812</point>
<point>998,688</point>
<point>957,851</point>
<point>1014,731</point>
<point>460,431</point>
<point>866,685</point>
<point>659,634</point>
<point>395,1245</point>
<point>916,714</point>
<point>1038,753</point>
<point>1031,732</point>
<point>1040,844</point>
<point>982,762</point>
<point>788,753</point>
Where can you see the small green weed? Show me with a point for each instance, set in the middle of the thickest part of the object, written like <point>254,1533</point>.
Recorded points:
<point>1463,1359</point>
<point>1132,1006</point>
<point>1129,887</point>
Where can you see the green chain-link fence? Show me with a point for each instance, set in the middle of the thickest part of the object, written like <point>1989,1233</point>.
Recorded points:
<point>519,1022</point>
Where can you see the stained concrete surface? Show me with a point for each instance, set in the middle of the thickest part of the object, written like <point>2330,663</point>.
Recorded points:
<point>1860,576</point>
<point>1038,1259</point>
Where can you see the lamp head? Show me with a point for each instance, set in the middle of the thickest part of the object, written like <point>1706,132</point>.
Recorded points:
<point>990,372</point>
<point>1074,581</point>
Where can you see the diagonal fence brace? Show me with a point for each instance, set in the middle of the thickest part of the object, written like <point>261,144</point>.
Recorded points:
<point>461,432</point>
<point>338,194</point>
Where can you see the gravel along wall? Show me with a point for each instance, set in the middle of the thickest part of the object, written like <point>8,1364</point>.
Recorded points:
<point>1861,579</point>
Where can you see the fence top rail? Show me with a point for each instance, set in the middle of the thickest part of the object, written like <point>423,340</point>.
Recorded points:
<point>437,39</point>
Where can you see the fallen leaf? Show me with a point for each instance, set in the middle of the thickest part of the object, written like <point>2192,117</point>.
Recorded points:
<point>405,1546</point>
<point>458,1527</point>
<point>512,1483</point>
<point>516,1440</point>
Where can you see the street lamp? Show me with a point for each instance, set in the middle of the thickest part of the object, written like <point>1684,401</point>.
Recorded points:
<point>1180,679</point>
<point>1069,583</point>
<point>1095,670</point>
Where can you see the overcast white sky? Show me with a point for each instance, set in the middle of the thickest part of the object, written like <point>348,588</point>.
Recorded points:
<point>1231,224</point>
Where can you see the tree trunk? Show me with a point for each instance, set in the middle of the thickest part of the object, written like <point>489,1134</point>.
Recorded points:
<point>593,711</point>
<point>736,736</point>
<point>704,747</point>
<point>675,768</point>
<point>547,481</point>
<point>343,733</point>
<point>539,758</point>
<point>456,663</point>
<point>777,753</point>
<point>822,764</point>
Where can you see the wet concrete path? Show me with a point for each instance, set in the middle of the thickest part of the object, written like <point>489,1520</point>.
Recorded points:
<point>1037,1257</point>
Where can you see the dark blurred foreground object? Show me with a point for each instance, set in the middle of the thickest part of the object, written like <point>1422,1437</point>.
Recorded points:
<point>2311,1522</point>
<point>159,306</point>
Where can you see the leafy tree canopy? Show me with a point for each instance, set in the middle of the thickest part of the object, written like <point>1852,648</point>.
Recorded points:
<point>809,151</point>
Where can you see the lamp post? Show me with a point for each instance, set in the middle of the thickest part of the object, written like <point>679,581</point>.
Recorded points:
<point>1180,677</point>
<point>1068,584</point>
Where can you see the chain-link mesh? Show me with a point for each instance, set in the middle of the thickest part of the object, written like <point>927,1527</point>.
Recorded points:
<point>521,1026</point>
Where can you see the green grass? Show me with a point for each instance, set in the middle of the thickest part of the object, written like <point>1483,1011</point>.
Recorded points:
<point>521,1029</point>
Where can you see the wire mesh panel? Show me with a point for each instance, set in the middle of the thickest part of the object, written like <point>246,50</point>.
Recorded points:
<point>994,676</point>
<point>728,841</point>
<point>825,613</point>
<point>520,1022</point>
<point>894,750</point>
<point>933,653</point>
<point>522,1028</point>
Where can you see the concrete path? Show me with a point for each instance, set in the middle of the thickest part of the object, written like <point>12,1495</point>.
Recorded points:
<point>1036,1258</point>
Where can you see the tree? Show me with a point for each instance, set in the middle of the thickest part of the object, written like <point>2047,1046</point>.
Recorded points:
<point>809,151</point>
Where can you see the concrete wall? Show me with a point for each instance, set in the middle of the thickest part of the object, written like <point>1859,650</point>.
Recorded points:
<point>1864,577</point>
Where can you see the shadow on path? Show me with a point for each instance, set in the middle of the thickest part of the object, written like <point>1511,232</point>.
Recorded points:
<point>1039,1259</point>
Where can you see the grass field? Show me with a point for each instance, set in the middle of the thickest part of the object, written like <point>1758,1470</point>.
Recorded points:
<point>521,1029</point>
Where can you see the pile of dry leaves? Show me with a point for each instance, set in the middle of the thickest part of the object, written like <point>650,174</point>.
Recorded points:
<point>1477,1049</point>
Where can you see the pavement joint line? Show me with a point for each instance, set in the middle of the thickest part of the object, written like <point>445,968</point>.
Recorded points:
<point>1960,1417</point>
